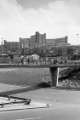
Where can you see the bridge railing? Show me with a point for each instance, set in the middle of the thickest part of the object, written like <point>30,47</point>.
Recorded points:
<point>49,61</point>
<point>44,61</point>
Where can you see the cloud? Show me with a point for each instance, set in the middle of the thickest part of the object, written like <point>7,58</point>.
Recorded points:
<point>34,3</point>
<point>59,18</point>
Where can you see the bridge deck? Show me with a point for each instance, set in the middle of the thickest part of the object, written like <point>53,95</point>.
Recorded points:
<point>38,66</point>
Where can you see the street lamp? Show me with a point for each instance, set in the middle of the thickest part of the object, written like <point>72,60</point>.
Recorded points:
<point>2,44</point>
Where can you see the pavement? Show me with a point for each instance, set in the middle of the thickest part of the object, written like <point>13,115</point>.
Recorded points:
<point>22,106</point>
<point>7,87</point>
<point>63,105</point>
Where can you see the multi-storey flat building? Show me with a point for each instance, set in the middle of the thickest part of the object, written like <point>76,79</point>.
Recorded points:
<point>38,40</point>
<point>24,42</point>
<point>57,42</point>
<point>11,46</point>
<point>35,41</point>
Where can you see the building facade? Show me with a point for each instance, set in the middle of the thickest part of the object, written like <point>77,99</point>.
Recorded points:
<point>38,40</point>
<point>24,42</point>
<point>35,41</point>
<point>57,42</point>
<point>11,46</point>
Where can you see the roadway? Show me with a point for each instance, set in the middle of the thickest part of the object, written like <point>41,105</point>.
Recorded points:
<point>60,113</point>
<point>64,105</point>
<point>39,65</point>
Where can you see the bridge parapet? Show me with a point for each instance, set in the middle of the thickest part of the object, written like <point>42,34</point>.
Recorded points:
<point>70,64</point>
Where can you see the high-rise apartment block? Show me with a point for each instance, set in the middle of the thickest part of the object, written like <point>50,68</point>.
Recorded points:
<point>24,42</point>
<point>39,40</point>
<point>11,46</point>
<point>57,42</point>
<point>35,41</point>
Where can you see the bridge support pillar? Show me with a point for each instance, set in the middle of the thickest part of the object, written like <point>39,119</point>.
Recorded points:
<point>54,72</point>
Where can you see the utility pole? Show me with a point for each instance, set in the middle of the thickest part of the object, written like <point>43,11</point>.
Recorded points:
<point>2,44</point>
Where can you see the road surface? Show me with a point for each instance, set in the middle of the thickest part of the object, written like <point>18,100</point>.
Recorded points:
<point>64,105</point>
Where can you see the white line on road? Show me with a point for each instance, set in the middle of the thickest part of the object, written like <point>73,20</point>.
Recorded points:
<point>30,118</point>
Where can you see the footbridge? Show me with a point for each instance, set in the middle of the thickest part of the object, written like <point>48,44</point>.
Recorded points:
<point>53,68</point>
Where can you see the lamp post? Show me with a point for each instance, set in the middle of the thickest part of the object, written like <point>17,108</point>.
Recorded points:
<point>2,44</point>
<point>77,37</point>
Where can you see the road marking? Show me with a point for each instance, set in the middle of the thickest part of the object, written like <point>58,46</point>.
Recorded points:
<point>31,118</point>
<point>19,119</point>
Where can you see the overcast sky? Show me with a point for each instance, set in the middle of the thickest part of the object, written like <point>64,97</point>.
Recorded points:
<point>57,18</point>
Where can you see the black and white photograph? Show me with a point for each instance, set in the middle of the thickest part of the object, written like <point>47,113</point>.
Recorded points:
<point>39,60</point>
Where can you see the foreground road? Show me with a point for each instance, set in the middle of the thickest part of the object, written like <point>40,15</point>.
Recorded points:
<point>61,113</point>
<point>64,105</point>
